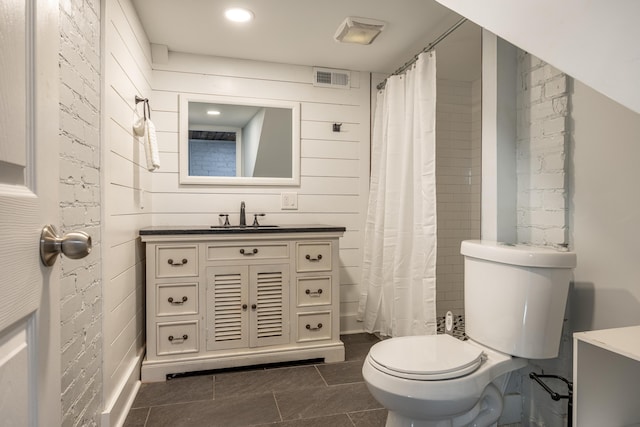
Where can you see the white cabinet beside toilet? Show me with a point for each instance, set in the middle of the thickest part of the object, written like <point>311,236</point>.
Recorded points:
<point>606,375</point>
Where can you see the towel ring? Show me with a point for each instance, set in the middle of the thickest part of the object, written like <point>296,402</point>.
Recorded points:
<point>146,108</point>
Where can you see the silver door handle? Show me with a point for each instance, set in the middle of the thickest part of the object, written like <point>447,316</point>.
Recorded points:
<point>74,245</point>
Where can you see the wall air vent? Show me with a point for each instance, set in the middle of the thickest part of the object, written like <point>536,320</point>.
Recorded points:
<point>327,77</point>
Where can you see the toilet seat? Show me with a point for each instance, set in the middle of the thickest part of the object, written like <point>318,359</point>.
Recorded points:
<point>426,358</point>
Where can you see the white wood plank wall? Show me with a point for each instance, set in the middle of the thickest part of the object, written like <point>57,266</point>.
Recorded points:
<point>126,188</point>
<point>334,166</point>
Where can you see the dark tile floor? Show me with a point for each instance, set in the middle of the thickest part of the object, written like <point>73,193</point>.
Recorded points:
<point>309,395</point>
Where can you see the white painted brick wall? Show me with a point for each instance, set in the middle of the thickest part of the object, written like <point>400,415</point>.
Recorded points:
<point>457,186</point>
<point>209,158</point>
<point>542,205</point>
<point>541,152</point>
<point>79,193</point>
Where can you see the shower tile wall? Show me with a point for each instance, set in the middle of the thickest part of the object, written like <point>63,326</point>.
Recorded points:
<point>476,156</point>
<point>457,186</point>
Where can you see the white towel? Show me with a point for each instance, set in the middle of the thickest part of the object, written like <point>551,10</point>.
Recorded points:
<point>151,146</point>
<point>138,124</point>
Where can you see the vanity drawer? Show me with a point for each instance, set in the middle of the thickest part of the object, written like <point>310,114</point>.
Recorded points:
<point>176,299</point>
<point>314,290</point>
<point>314,256</point>
<point>177,337</point>
<point>176,260</point>
<point>314,326</point>
<point>247,251</point>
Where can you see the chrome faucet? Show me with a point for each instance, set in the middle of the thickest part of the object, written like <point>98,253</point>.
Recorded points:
<point>243,217</point>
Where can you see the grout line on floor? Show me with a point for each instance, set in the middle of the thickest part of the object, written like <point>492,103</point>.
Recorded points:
<point>175,403</point>
<point>320,373</point>
<point>350,419</point>
<point>273,393</point>
<point>146,419</point>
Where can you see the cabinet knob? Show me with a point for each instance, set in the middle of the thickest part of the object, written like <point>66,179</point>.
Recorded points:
<point>244,306</point>
<point>318,258</point>
<point>311,328</point>
<point>184,337</point>
<point>254,306</point>
<point>313,293</point>
<point>172,301</point>
<point>245,253</point>
<point>171,262</point>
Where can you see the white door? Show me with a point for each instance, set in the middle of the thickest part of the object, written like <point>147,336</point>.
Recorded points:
<point>29,295</point>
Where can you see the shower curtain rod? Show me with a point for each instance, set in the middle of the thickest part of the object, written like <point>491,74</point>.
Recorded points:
<point>426,49</point>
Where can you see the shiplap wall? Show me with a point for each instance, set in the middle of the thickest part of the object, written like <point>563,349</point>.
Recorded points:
<point>334,165</point>
<point>126,188</point>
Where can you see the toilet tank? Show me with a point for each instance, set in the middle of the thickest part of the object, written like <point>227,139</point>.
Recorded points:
<point>515,296</point>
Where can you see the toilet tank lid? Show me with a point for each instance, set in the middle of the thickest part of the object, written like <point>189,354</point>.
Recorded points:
<point>518,254</point>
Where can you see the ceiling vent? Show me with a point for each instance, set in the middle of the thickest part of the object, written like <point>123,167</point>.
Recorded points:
<point>327,77</point>
<point>359,30</point>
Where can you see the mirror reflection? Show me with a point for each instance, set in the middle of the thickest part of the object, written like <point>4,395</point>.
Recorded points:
<point>244,142</point>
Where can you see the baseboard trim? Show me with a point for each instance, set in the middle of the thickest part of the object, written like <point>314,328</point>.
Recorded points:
<point>116,411</point>
<point>350,325</point>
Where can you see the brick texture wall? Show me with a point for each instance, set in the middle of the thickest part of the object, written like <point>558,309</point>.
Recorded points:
<point>79,190</point>
<point>542,126</point>
<point>212,158</point>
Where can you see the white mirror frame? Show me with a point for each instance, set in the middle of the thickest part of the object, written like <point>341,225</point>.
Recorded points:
<point>183,146</point>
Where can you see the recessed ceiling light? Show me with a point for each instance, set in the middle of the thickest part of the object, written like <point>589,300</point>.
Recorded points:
<point>213,112</point>
<point>238,14</point>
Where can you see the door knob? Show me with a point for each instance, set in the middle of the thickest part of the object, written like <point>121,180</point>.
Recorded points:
<point>74,245</point>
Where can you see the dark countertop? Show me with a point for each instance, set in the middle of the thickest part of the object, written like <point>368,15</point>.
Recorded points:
<point>207,229</point>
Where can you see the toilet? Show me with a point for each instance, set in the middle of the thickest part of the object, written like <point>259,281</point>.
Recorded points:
<point>515,298</point>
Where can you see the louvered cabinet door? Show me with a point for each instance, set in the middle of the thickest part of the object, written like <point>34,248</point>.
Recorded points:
<point>269,296</point>
<point>227,307</point>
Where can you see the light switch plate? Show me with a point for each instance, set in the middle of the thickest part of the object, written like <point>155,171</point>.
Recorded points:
<point>289,201</point>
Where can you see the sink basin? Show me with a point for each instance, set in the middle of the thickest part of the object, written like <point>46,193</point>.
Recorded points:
<point>237,227</point>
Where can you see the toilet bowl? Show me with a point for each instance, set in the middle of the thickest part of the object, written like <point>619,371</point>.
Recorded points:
<point>437,380</point>
<point>515,297</point>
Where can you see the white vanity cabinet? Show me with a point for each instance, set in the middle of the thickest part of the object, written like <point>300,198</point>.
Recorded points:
<point>218,299</point>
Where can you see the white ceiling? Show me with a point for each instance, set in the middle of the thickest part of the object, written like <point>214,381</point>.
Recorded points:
<point>301,32</point>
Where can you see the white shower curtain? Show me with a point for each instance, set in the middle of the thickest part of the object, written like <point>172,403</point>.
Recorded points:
<point>399,265</point>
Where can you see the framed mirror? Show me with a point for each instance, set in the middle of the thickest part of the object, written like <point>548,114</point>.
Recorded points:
<point>238,141</point>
